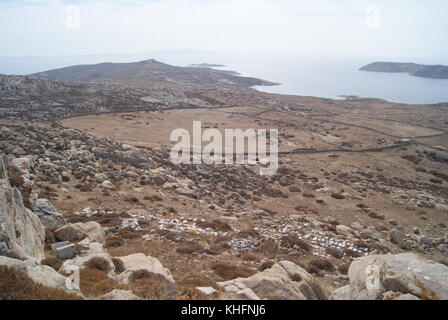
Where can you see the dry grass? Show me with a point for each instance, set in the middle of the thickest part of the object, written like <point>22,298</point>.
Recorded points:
<point>15,285</point>
<point>114,242</point>
<point>412,158</point>
<point>95,283</point>
<point>15,177</point>
<point>291,241</point>
<point>197,281</point>
<point>109,222</point>
<point>322,264</point>
<point>151,286</point>
<point>248,233</point>
<point>249,256</point>
<point>266,265</point>
<point>186,293</point>
<point>55,263</point>
<point>229,272</point>
<point>14,255</point>
<point>189,248</point>
<point>98,263</point>
<point>352,253</point>
<point>128,233</point>
<point>50,238</point>
<point>216,225</point>
<point>313,270</point>
<point>343,268</point>
<point>119,265</point>
<point>439,175</point>
<point>85,187</point>
<point>336,253</point>
<point>268,248</point>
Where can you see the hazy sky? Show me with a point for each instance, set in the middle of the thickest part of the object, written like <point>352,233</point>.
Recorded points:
<point>395,28</point>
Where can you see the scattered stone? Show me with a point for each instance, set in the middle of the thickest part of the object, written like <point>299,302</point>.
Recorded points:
<point>208,291</point>
<point>66,252</point>
<point>106,184</point>
<point>59,245</point>
<point>396,237</point>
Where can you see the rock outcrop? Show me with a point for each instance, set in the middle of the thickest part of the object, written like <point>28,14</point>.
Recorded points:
<point>284,280</point>
<point>139,261</point>
<point>21,231</point>
<point>41,274</point>
<point>48,214</point>
<point>392,277</point>
<point>78,231</point>
<point>80,263</point>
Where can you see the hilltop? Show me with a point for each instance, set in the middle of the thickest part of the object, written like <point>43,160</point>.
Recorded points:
<point>150,73</point>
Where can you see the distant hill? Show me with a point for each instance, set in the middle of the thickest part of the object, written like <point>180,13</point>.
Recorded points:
<point>150,73</point>
<point>39,99</point>
<point>417,70</point>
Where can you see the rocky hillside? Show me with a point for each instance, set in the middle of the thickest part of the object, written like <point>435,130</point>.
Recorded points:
<point>417,70</point>
<point>150,73</point>
<point>23,97</point>
<point>154,230</point>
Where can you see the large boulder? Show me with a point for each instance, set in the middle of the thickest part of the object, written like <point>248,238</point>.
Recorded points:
<point>284,280</point>
<point>379,277</point>
<point>48,214</point>
<point>41,274</point>
<point>78,231</point>
<point>139,261</point>
<point>24,167</point>
<point>80,262</point>
<point>342,293</point>
<point>137,158</point>
<point>21,231</point>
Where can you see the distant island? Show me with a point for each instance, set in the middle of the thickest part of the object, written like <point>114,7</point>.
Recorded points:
<point>417,70</point>
<point>206,65</point>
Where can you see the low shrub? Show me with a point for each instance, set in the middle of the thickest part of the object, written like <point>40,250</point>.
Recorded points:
<point>55,263</point>
<point>313,270</point>
<point>187,293</point>
<point>343,268</point>
<point>216,225</point>
<point>98,263</point>
<point>152,286</point>
<point>336,253</point>
<point>129,233</point>
<point>322,264</point>
<point>266,265</point>
<point>292,241</point>
<point>229,272</point>
<point>119,265</point>
<point>15,177</point>
<point>95,283</point>
<point>113,242</point>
